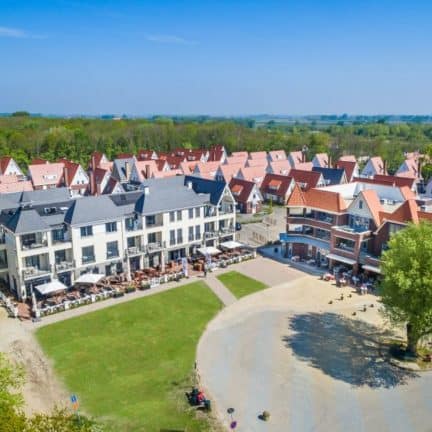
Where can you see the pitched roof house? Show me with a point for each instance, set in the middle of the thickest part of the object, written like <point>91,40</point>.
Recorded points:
<point>276,155</point>
<point>332,176</point>
<point>254,174</point>
<point>409,168</point>
<point>46,176</point>
<point>281,167</point>
<point>206,169</point>
<point>226,172</point>
<point>8,166</point>
<point>277,188</point>
<point>321,160</point>
<point>374,165</point>
<point>307,179</point>
<point>75,178</point>
<point>351,168</point>
<point>247,195</point>
<point>258,155</point>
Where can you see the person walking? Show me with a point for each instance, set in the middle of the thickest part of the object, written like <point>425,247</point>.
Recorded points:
<point>205,270</point>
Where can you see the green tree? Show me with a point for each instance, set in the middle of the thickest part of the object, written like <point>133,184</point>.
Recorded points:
<point>406,288</point>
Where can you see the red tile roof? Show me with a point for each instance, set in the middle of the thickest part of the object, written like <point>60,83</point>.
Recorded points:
<point>276,184</point>
<point>306,179</point>
<point>241,189</point>
<point>348,166</point>
<point>296,198</point>
<point>394,180</point>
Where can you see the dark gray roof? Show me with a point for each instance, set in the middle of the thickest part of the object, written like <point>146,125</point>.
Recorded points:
<point>332,176</point>
<point>37,197</point>
<point>26,221</point>
<point>119,169</point>
<point>214,188</point>
<point>92,209</point>
<point>168,194</point>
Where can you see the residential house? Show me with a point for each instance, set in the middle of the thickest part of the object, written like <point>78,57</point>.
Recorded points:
<point>276,155</point>
<point>307,179</point>
<point>321,160</point>
<point>350,167</point>
<point>332,176</point>
<point>206,170</point>
<point>75,178</point>
<point>8,166</point>
<point>247,195</point>
<point>226,172</point>
<point>281,167</point>
<point>277,188</point>
<point>46,176</point>
<point>374,165</point>
<point>254,174</point>
<point>258,155</point>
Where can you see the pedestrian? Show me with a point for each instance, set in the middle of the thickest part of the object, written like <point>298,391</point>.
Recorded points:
<point>205,270</point>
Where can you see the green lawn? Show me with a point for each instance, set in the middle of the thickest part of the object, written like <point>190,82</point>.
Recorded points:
<point>130,364</point>
<point>239,284</point>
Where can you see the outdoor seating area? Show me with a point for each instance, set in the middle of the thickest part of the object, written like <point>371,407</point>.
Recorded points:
<point>53,297</point>
<point>362,283</point>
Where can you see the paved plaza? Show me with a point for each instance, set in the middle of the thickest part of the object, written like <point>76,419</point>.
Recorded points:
<point>312,365</point>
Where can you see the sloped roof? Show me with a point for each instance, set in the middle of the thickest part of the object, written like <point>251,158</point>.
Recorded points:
<point>258,155</point>
<point>255,174</point>
<point>306,179</point>
<point>18,186</point>
<point>214,188</point>
<point>119,168</point>
<point>347,158</point>
<point>230,171</point>
<point>322,159</point>
<point>281,166</point>
<point>257,162</point>
<point>276,155</point>
<point>146,168</point>
<point>348,166</point>
<point>46,174</point>
<point>332,176</point>
<point>280,184</point>
<point>296,198</point>
<point>243,188</point>
<point>236,160</point>
<point>4,163</point>
<point>372,201</point>
<point>408,211</point>
<point>325,200</point>
<point>296,157</point>
<point>395,180</point>
<point>26,221</point>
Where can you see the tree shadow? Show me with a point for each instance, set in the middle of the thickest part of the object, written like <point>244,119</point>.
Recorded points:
<point>347,350</point>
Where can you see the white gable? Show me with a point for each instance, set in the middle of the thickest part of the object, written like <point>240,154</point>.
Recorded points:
<point>13,169</point>
<point>80,177</point>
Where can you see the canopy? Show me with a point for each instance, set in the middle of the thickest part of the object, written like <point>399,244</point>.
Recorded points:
<point>209,250</point>
<point>90,278</point>
<point>372,268</point>
<point>231,244</point>
<point>50,287</point>
<point>342,259</point>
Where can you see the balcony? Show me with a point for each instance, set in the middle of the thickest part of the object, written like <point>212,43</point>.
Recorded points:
<point>33,241</point>
<point>210,212</point>
<point>156,247</point>
<point>211,235</point>
<point>64,266</point>
<point>133,225</point>
<point>35,272</point>
<point>88,259</point>
<point>225,231</point>
<point>135,250</point>
<point>358,229</point>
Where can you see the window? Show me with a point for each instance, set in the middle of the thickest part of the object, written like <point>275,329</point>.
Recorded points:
<point>360,204</point>
<point>150,220</point>
<point>112,249</point>
<point>179,236</point>
<point>151,238</point>
<point>86,231</point>
<point>60,256</point>
<point>172,216</point>
<point>111,227</point>
<point>172,237</point>
<point>198,232</point>
<point>191,233</point>
<point>32,261</point>
<point>88,255</point>
<point>179,215</point>
<point>191,212</point>
<point>58,235</point>
<point>197,212</point>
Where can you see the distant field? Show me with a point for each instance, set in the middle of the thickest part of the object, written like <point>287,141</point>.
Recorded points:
<point>239,284</point>
<point>130,364</point>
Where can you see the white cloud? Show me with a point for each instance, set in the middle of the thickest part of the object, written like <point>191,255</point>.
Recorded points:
<point>10,32</point>
<point>169,39</point>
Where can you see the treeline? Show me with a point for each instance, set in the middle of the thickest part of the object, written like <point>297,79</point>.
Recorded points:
<point>25,137</point>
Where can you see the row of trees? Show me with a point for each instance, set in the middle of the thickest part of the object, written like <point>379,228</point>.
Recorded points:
<point>24,137</point>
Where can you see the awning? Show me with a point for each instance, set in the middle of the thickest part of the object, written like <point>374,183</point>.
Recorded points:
<point>89,278</point>
<point>372,268</point>
<point>293,238</point>
<point>209,250</point>
<point>51,287</point>
<point>341,259</point>
<point>231,244</point>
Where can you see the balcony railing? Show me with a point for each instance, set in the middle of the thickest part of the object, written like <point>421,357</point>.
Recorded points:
<point>112,253</point>
<point>226,231</point>
<point>60,239</point>
<point>135,250</point>
<point>87,259</point>
<point>34,245</point>
<point>156,246</point>
<point>211,234</point>
<point>33,272</point>
<point>133,226</point>
<point>352,230</point>
<point>64,266</point>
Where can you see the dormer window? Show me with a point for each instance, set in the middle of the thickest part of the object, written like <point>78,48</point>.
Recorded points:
<point>360,204</point>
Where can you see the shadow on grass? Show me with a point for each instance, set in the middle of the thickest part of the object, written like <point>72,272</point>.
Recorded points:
<point>345,349</point>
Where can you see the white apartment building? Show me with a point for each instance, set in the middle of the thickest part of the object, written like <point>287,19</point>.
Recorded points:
<point>47,235</point>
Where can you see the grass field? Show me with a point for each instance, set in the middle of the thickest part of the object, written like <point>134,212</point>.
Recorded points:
<point>130,364</point>
<point>239,284</point>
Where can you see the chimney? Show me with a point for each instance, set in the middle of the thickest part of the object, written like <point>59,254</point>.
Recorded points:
<point>66,176</point>
<point>385,167</point>
<point>92,183</point>
<point>147,171</point>
<point>127,170</point>
<point>146,190</point>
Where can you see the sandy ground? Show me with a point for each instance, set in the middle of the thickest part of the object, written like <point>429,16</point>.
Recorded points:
<point>313,365</point>
<point>42,390</point>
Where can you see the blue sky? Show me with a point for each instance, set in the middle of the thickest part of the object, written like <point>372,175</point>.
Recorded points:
<point>216,57</point>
